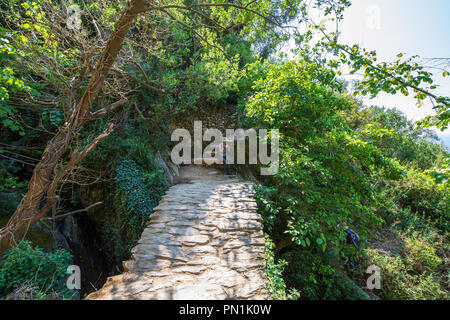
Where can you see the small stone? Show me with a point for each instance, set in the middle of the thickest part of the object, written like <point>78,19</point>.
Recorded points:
<point>201,250</point>
<point>150,265</point>
<point>189,269</point>
<point>181,223</point>
<point>195,239</point>
<point>182,231</point>
<point>204,261</point>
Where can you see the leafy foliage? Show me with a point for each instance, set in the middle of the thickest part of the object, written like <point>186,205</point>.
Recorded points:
<point>322,161</point>
<point>134,195</point>
<point>342,164</point>
<point>396,136</point>
<point>274,270</point>
<point>316,278</point>
<point>399,281</point>
<point>420,194</point>
<point>335,172</point>
<point>25,264</point>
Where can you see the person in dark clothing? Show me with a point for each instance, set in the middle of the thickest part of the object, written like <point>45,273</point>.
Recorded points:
<point>227,166</point>
<point>352,238</point>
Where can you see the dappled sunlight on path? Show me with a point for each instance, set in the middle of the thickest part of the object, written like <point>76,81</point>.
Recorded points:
<point>204,241</point>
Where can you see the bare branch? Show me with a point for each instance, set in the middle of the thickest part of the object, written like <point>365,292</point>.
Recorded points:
<point>75,211</point>
<point>95,142</point>
<point>100,113</point>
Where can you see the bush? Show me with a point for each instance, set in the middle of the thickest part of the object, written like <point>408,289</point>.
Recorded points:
<point>274,272</point>
<point>420,255</point>
<point>324,179</point>
<point>24,265</point>
<point>399,281</point>
<point>421,194</point>
<point>133,196</point>
<point>312,273</point>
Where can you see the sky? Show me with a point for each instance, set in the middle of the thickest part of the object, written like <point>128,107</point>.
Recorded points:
<point>414,27</point>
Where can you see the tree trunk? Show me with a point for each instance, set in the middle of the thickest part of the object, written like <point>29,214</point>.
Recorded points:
<point>29,211</point>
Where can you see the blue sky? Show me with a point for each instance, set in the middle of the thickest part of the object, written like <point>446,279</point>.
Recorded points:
<point>415,27</point>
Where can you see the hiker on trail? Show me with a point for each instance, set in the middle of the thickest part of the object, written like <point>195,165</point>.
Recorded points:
<point>352,238</point>
<point>227,161</point>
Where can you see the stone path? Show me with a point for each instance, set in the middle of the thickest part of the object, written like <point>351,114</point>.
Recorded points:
<point>204,241</point>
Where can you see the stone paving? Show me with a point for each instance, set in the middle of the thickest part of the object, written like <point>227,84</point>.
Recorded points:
<point>204,241</point>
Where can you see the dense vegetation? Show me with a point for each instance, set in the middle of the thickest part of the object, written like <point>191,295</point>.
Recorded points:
<point>346,165</point>
<point>342,164</point>
<point>42,275</point>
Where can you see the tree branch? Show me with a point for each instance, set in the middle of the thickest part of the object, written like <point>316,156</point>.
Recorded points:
<point>100,113</point>
<point>75,211</point>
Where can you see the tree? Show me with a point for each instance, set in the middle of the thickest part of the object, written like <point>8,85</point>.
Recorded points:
<point>46,175</point>
<point>404,75</point>
<point>324,182</point>
<point>208,21</point>
<point>204,19</point>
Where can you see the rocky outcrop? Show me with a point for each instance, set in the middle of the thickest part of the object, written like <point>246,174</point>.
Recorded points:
<point>204,241</point>
<point>170,169</point>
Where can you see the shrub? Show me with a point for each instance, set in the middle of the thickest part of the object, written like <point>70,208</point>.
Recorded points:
<point>274,270</point>
<point>312,273</point>
<point>324,179</point>
<point>419,254</point>
<point>24,265</point>
<point>420,194</point>
<point>135,184</point>
<point>400,281</point>
<point>133,196</point>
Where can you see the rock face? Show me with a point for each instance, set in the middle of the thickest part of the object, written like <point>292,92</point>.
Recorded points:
<point>204,241</point>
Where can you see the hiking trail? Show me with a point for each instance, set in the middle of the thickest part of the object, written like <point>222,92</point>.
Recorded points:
<point>203,241</point>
